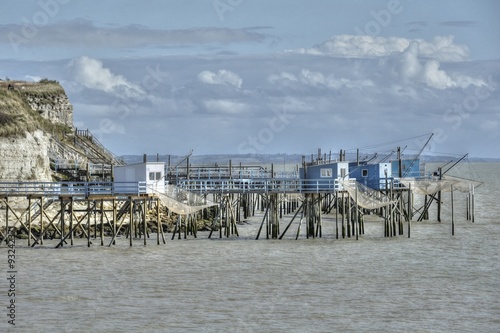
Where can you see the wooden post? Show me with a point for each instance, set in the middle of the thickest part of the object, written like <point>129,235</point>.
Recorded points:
<point>88,222</point>
<point>319,225</point>
<point>452,217</point>
<point>357,212</point>
<point>262,223</point>
<point>409,210</point>
<point>114,220</point>
<point>131,221</point>
<point>343,213</point>
<point>71,219</point>
<point>273,198</point>
<point>348,222</point>
<point>290,223</point>
<point>144,222</point>
<point>336,213</point>
<point>6,219</point>
<point>95,220</point>
<point>439,198</point>
<point>62,219</point>
<point>101,232</point>
<point>301,217</point>
<point>472,205</point>
<point>158,221</point>
<point>467,205</point>
<point>29,220</point>
<point>41,220</point>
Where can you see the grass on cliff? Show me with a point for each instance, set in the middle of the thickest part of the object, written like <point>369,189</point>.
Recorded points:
<point>17,117</point>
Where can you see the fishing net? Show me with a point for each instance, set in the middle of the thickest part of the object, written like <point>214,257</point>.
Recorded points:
<point>446,184</point>
<point>427,186</point>
<point>183,202</point>
<point>463,184</point>
<point>366,197</point>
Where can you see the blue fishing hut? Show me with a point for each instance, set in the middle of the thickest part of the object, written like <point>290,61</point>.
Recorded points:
<point>376,176</point>
<point>380,176</point>
<point>323,177</point>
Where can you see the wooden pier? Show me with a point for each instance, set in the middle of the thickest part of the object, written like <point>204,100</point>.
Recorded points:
<point>106,213</point>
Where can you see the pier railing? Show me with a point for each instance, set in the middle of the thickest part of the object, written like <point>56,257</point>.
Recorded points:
<point>201,186</point>
<point>72,188</point>
<point>267,185</point>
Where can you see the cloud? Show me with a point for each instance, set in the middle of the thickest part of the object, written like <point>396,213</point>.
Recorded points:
<point>222,77</point>
<point>281,78</point>
<point>84,32</point>
<point>225,106</point>
<point>92,74</point>
<point>409,95</point>
<point>315,79</point>
<point>412,70</point>
<point>441,48</point>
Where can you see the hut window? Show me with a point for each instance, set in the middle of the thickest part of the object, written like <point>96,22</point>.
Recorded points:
<point>151,176</point>
<point>364,172</point>
<point>326,173</point>
<point>158,175</point>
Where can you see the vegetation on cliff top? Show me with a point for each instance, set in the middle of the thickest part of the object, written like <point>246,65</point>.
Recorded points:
<point>17,117</point>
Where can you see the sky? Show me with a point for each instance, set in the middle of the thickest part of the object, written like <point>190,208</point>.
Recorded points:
<point>274,76</point>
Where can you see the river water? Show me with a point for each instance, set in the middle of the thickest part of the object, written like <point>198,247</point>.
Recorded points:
<point>432,282</point>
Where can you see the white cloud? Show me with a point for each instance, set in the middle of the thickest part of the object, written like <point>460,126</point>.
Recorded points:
<point>316,79</point>
<point>225,106</point>
<point>281,78</point>
<point>412,70</point>
<point>441,48</point>
<point>312,78</point>
<point>92,74</point>
<point>222,77</point>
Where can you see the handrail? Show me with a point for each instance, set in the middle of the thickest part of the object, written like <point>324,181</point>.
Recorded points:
<point>87,134</point>
<point>267,185</point>
<point>72,188</point>
<point>202,186</point>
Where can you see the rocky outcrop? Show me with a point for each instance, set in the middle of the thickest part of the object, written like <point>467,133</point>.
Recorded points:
<point>25,158</point>
<point>37,133</point>
<point>57,108</point>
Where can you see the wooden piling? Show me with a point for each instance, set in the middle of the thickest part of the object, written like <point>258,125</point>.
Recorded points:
<point>131,221</point>
<point>41,219</point>
<point>61,212</point>
<point>88,222</point>
<point>101,231</point>
<point>336,215</point>
<point>410,207</point>
<point>113,202</point>
<point>71,215</point>
<point>452,215</point>
<point>6,219</point>
<point>144,220</point>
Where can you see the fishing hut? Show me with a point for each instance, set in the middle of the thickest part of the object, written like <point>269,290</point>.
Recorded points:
<point>150,174</point>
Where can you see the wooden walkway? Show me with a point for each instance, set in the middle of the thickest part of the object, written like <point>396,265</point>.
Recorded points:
<point>102,212</point>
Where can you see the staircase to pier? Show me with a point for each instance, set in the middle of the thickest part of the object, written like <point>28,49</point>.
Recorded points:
<point>89,158</point>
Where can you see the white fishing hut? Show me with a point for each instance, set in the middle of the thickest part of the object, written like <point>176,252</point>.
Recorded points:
<point>150,173</point>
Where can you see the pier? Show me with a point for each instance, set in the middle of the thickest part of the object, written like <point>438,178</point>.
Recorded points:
<point>104,213</point>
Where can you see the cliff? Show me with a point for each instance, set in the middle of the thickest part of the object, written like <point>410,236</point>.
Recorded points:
<point>37,139</point>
